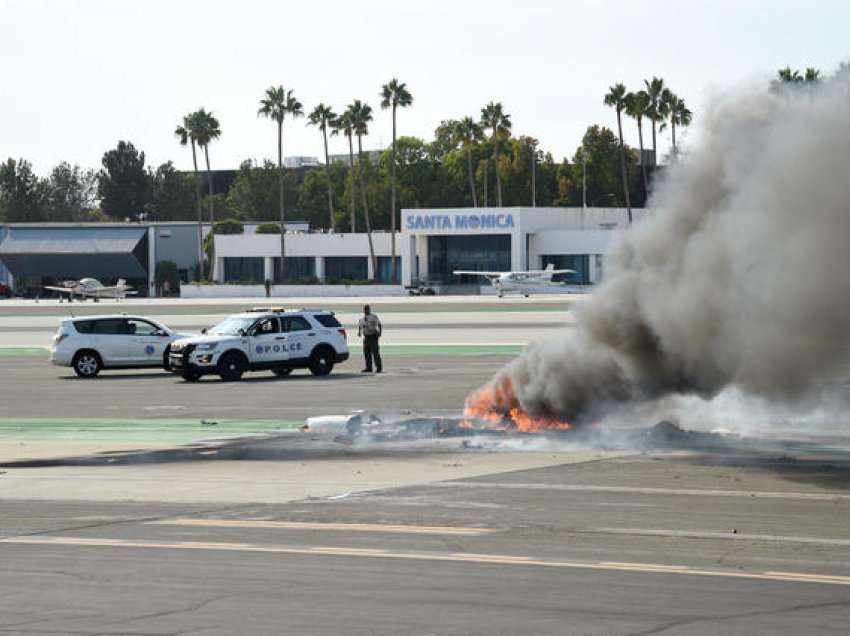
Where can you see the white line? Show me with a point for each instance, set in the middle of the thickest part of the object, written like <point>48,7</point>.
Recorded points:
<point>488,559</point>
<point>686,492</point>
<point>305,525</point>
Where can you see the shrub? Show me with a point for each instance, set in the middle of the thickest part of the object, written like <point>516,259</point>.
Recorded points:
<point>268,228</point>
<point>229,226</point>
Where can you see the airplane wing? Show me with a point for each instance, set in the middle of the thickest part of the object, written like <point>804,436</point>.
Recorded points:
<point>64,290</point>
<point>459,272</point>
<point>538,272</point>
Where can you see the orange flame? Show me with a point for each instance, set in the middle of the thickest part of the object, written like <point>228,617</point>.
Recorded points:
<point>497,405</point>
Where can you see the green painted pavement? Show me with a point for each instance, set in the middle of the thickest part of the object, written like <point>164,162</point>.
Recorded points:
<point>168,430</point>
<point>390,349</point>
<point>23,352</point>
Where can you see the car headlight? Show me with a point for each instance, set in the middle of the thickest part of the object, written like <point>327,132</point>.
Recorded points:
<point>207,346</point>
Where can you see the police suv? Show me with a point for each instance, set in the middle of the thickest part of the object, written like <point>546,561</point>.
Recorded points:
<point>115,341</point>
<point>263,339</point>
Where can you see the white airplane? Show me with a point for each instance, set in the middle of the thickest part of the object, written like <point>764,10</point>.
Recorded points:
<point>522,282</point>
<point>92,288</point>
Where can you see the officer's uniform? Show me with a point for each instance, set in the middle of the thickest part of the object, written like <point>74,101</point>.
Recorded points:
<point>370,329</point>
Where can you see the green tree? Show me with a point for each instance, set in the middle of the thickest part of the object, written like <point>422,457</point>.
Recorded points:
<point>616,98</point>
<point>72,191</point>
<point>186,134</point>
<point>124,186</point>
<point>361,116</point>
<point>655,91</point>
<point>172,196</point>
<point>787,77</point>
<point>469,134</point>
<point>23,196</point>
<point>600,153</point>
<point>494,117</point>
<point>253,194</point>
<point>344,125</point>
<point>636,107</point>
<point>445,138</point>
<point>323,117</point>
<point>268,228</point>
<point>205,129</point>
<point>394,95</point>
<point>677,113</point>
<point>276,105</point>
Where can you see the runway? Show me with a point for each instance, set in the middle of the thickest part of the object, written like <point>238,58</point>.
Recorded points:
<point>140,504</point>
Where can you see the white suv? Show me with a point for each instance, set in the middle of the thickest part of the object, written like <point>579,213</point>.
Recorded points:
<point>91,343</point>
<point>275,340</point>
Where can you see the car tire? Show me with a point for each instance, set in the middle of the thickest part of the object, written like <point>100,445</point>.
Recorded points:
<point>321,361</point>
<point>282,373</point>
<point>166,364</point>
<point>231,366</point>
<point>87,363</point>
<point>191,376</point>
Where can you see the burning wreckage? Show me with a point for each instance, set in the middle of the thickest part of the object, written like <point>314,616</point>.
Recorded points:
<point>492,416</point>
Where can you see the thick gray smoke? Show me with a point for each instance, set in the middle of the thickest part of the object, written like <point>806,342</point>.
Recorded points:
<point>741,277</point>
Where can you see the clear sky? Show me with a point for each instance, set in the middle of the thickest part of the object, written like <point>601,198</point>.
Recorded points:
<point>77,76</point>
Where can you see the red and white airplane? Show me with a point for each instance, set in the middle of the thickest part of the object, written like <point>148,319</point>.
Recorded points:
<point>92,288</point>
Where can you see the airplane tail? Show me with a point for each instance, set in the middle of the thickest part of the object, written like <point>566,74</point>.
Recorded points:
<point>547,276</point>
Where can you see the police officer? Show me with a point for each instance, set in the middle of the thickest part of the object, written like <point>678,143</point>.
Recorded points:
<point>370,329</point>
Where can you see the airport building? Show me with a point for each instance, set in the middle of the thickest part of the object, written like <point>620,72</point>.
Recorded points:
<point>430,245</point>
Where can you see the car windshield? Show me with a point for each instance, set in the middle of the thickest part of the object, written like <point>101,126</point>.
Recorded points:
<point>232,326</point>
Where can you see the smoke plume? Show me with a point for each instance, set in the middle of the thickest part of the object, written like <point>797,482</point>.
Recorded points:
<point>740,278</point>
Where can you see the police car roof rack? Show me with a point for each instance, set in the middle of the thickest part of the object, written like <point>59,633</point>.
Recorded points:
<point>263,310</point>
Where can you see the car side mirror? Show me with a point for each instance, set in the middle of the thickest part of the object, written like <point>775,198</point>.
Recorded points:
<point>204,330</point>
<point>161,333</point>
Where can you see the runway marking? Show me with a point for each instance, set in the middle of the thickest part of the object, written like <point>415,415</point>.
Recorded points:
<point>693,534</point>
<point>307,525</point>
<point>688,492</point>
<point>457,557</point>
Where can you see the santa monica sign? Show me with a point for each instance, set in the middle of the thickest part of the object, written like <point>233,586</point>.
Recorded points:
<point>474,222</point>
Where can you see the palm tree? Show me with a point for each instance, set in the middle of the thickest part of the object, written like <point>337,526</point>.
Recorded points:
<point>654,89</point>
<point>394,95</point>
<point>185,134</point>
<point>361,115</point>
<point>616,98</point>
<point>323,116</point>
<point>494,117</point>
<point>205,128</point>
<point>344,125</point>
<point>469,133</point>
<point>636,105</point>
<point>275,105</point>
<point>678,114</point>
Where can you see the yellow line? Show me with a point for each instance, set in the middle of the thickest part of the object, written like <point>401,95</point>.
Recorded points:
<point>304,525</point>
<point>494,559</point>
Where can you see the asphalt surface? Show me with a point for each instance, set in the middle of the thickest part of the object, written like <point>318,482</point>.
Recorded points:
<point>560,550</point>
<point>410,381</point>
<point>109,526</point>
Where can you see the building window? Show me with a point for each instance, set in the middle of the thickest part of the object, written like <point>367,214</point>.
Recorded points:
<point>299,269</point>
<point>487,253</point>
<point>343,269</point>
<point>243,269</point>
<point>577,262</point>
<point>385,270</point>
